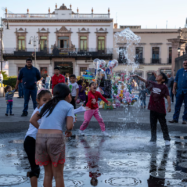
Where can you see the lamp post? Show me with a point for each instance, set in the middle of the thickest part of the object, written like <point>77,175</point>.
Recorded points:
<point>1,45</point>
<point>34,39</point>
<point>179,50</point>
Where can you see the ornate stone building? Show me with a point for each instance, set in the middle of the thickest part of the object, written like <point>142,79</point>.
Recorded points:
<point>61,38</point>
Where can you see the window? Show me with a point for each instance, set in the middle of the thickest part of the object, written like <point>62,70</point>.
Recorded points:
<point>83,43</point>
<point>43,43</point>
<point>83,70</point>
<point>166,71</point>
<point>43,72</point>
<point>21,43</point>
<point>170,55</point>
<point>101,43</point>
<point>155,52</point>
<point>63,42</point>
<point>122,53</point>
<point>139,52</point>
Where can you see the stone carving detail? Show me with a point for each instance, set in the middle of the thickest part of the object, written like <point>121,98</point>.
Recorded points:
<point>63,29</point>
<point>101,29</point>
<point>43,29</point>
<point>83,29</point>
<point>21,29</point>
<point>63,7</point>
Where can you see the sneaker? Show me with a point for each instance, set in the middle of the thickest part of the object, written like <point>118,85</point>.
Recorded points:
<point>24,114</point>
<point>167,143</point>
<point>81,133</point>
<point>173,121</point>
<point>11,114</point>
<point>106,134</point>
<point>6,114</point>
<point>184,122</point>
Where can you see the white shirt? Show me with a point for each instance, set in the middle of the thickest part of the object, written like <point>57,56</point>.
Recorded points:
<point>1,77</point>
<point>73,87</point>
<point>32,131</point>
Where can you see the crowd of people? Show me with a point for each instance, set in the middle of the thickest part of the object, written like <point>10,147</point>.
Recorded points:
<point>54,113</point>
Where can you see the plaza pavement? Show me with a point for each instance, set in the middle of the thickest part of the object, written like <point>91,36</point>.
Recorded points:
<point>128,117</point>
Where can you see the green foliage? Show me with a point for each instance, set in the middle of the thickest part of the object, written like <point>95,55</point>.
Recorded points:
<point>11,81</point>
<point>5,76</point>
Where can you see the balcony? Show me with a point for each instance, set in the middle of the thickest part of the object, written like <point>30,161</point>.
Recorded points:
<point>139,60</point>
<point>122,60</point>
<point>155,61</point>
<point>169,61</point>
<point>56,52</point>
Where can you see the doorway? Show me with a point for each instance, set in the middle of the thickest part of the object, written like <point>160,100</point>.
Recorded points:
<point>66,68</point>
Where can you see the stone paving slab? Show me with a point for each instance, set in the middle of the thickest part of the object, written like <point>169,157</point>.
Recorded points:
<point>127,115</point>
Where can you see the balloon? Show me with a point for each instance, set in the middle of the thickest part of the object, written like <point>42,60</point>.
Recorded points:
<point>102,64</point>
<point>95,62</point>
<point>127,94</point>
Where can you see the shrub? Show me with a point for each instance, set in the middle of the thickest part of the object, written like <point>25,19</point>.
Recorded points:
<point>11,81</point>
<point>5,76</point>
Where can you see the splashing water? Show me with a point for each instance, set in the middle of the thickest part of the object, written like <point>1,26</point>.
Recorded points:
<point>127,40</point>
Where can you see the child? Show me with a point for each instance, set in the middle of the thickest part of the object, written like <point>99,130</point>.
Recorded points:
<point>43,97</point>
<point>93,96</point>
<point>57,78</point>
<point>55,115</point>
<point>9,99</point>
<point>159,91</point>
<point>142,96</point>
<point>74,87</point>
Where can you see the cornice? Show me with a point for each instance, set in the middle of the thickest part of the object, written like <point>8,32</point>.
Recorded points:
<point>58,21</point>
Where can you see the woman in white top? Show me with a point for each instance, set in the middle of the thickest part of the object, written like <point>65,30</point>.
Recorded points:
<point>50,146</point>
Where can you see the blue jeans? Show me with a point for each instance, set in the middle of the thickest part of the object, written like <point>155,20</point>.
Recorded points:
<point>143,102</point>
<point>20,88</point>
<point>171,94</point>
<point>180,98</point>
<point>9,107</point>
<point>46,85</point>
<point>27,94</point>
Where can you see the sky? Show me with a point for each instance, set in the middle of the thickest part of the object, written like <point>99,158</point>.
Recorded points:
<point>147,13</point>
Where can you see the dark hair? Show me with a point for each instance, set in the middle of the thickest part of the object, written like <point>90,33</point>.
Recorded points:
<point>7,87</point>
<point>164,77</point>
<point>79,82</point>
<point>28,59</point>
<point>57,68</point>
<point>60,92</point>
<point>72,76</point>
<point>91,84</point>
<point>42,93</point>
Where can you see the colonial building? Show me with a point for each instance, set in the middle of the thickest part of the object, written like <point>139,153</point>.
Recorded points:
<point>156,51</point>
<point>60,38</point>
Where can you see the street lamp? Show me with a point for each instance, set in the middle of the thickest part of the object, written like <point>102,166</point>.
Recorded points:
<point>179,50</point>
<point>1,27</point>
<point>34,40</point>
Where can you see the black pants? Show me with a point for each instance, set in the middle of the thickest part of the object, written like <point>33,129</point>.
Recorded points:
<point>154,117</point>
<point>73,102</point>
<point>29,146</point>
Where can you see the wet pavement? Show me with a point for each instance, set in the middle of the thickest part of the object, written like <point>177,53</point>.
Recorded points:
<point>125,159</point>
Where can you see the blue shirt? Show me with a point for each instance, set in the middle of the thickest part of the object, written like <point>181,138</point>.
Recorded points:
<point>29,77</point>
<point>57,119</point>
<point>181,80</point>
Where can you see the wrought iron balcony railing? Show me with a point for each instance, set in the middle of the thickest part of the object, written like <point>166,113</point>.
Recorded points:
<point>155,61</point>
<point>169,60</point>
<point>139,60</point>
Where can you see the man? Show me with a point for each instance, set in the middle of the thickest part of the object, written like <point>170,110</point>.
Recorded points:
<point>29,75</point>
<point>180,90</point>
<point>47,82</point>
<point>170,86</point>
<point>57,77</point>
<point>1,78</point>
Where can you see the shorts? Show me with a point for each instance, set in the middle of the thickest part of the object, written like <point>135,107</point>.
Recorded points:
<point>50,148</point>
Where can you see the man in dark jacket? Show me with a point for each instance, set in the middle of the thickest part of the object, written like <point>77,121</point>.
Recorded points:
<point>170,86</point>
<point>29,75</point>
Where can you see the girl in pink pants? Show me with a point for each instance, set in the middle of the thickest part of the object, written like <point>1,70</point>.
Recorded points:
<point>93,96</point>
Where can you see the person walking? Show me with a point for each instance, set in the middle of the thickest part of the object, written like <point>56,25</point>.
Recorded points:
<point>47,82</point>
<point>180,90</point>
<point>20,89</point>
<point>170,86</point>
<point>29,75</point>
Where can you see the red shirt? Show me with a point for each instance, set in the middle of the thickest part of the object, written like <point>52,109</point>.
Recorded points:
<point>57,79</point>
<point>158,93</point>
<point>95,96</point>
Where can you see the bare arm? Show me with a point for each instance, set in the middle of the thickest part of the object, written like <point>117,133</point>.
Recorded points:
<point>17,83</point>
<point>174,88</point>
<point>69,125</point>
<point>140,78</point>
<point>77,93</point>
<point>169,103</point>
<point>34,120</point>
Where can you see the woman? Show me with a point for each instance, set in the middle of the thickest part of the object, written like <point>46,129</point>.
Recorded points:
<point>82,94</point>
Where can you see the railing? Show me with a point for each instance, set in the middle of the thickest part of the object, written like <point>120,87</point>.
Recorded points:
<point>38,15</point>
<point>91,52</point>
<point>169,60</point>
<point>139,60</point>
<point>16,15</point>
<point>90,15</point>
<point>155,60</point>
